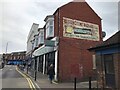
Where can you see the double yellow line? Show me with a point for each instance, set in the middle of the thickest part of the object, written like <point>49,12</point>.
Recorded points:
<point>31,85</point>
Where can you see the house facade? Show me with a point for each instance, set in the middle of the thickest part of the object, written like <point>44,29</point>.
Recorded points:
<point>68,33</point>
<point>31,39</point>
<point>107,62</point>
<point>14,58</point>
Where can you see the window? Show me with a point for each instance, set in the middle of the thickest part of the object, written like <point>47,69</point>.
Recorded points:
<point>94,62</point>
<point>36,41</point>
<point>50,28</point>
<point>14,58</point>
<point>51,22</point>
<point>32,42</point>
<point>41,37</point>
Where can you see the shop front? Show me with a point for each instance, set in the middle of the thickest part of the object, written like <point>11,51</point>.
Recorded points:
<point>45,56</point>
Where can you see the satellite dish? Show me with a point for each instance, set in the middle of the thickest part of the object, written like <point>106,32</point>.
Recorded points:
<point>103,34</point>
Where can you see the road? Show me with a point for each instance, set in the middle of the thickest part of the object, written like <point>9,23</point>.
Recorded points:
<point>11,78</point>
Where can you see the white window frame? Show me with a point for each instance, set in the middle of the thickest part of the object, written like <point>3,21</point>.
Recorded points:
<point>36,41</point>
<point>48,28</point>
<point>41,40</point>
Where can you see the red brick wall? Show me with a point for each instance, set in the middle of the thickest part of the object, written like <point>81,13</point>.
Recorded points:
<point>74,51</point>
<point>79,11</point>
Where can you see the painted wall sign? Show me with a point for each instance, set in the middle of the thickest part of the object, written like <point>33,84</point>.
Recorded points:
<point>79,29</point>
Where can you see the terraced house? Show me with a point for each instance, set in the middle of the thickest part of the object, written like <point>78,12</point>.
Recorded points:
<point>64,41</point>
<point>14,58</point>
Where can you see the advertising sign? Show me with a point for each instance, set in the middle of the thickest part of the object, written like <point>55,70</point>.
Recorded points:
<point>79,29</point>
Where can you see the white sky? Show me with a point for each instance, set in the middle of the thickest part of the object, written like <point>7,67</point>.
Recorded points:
<point>17,17</point>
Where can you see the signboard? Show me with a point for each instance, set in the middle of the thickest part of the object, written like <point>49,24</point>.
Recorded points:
<point>79,29</point>
<point>49,43</point>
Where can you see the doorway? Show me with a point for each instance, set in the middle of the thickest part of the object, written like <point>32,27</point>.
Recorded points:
<point>109,70</point>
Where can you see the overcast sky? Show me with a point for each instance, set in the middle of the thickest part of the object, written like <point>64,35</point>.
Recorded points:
<point>17,17</point>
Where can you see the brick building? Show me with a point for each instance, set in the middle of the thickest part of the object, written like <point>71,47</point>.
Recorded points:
<point>68,33</point>
<point>107,62</point>
<point>14,57</point>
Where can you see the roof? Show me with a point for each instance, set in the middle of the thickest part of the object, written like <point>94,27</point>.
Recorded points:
<point>113,40</point>
<point>18,52</point>
<point>39,29</point>
<point>74,1</point>
<point>48,17</point>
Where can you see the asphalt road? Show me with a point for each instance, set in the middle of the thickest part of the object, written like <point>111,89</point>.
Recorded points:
<point>11,78</point>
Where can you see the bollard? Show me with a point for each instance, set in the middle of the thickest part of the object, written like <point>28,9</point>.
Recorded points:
<point>27,68</point>
<point>35,75</point>
<point>90,83</point>
<point>35,68</point>
<point>75,83</point>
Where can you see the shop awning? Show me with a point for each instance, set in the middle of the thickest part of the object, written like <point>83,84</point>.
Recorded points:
<point>42,50</point>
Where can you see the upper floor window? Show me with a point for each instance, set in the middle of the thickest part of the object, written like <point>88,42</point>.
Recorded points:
<point>36,41</point>
<point>50,28</point>
<point>41,37</point>
<point>14,57</point>
<point>32,44</point>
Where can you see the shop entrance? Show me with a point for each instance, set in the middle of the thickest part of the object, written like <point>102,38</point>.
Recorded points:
<point>40,65</point>
<point>49,59</point>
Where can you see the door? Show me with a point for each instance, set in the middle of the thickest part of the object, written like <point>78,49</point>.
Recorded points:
<point>109,70</point>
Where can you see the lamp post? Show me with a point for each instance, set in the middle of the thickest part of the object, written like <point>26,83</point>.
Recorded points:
<point>6,47</point>
<point>6,53</point>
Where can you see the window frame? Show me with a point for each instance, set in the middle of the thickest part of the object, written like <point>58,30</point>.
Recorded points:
<point>41,37</point>
<point>48,25</point>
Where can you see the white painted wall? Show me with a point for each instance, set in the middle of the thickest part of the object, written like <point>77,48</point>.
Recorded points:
<point>33,31</point>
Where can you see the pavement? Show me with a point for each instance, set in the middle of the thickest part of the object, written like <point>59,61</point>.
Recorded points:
<point>43,83</point>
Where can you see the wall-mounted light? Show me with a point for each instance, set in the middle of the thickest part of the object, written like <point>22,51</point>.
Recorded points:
<point>103,34</point>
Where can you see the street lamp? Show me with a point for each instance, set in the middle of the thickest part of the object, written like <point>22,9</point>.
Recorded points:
<point>5,59</point>
<point>6,47</point>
